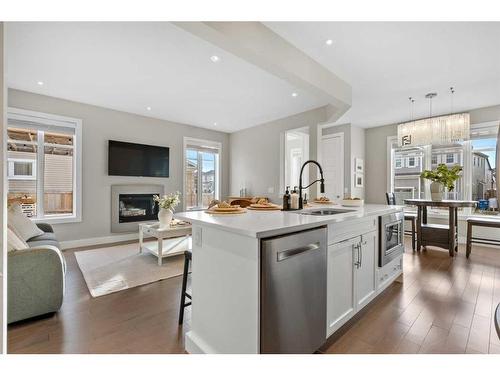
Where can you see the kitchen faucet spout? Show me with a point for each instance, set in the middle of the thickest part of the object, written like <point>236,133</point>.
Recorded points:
<point>321,181</point>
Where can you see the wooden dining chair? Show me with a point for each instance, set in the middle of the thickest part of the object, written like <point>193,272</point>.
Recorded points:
<point>391,201</point>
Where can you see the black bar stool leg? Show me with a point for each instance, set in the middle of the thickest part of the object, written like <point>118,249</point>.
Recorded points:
<point>413,237</point>
<point>187,258</point>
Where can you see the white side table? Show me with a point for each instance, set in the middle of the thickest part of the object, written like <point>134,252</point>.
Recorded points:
<point>170,241</point>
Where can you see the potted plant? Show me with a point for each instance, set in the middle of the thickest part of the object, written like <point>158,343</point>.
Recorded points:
<point>167,205</point>
<point>442,177</point>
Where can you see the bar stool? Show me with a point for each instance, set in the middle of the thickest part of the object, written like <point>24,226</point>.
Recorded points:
<point>391,201</point>
<point>187,259</point>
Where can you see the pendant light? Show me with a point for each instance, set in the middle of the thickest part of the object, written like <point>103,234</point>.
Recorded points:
<point>441,130</point>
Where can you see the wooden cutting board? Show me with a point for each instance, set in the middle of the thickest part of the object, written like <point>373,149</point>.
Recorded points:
<point>277,208</point>
<point>212,212</point>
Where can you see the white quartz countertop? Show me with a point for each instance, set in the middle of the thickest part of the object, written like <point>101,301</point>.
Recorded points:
<point>263,224</point>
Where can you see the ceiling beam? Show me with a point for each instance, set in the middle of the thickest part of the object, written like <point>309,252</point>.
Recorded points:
<point>260,46</point>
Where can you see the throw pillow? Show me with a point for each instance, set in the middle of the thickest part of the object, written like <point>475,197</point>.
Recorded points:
<point>14,242</point>
<point>23,226</point>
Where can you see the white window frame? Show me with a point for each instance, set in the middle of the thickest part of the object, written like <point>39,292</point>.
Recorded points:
<point>187,141</point>
<point>467,165</point>
<point>11,174</point>
<point>40,118</point>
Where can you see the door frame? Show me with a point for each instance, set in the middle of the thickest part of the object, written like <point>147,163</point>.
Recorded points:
<point>282,184</point>
<point>319,149</point>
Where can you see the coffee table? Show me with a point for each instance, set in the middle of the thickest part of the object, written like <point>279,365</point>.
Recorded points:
<point>169,241</point>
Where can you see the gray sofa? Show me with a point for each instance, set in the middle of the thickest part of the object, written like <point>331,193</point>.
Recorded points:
<point>36,277</point>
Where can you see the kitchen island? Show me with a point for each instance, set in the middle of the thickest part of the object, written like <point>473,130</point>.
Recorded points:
<point>227,268</point>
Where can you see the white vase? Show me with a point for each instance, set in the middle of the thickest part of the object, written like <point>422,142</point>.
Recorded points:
<point>437,191</point>
<point>165,217</point>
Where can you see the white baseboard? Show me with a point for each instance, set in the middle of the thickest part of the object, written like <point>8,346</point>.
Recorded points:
<point>98,240</point>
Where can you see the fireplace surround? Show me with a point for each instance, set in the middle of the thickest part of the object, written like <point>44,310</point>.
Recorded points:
<point>133,204</point>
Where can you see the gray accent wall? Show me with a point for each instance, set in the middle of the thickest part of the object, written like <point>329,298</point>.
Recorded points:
<point>98,126</point>
<point>255,153</point>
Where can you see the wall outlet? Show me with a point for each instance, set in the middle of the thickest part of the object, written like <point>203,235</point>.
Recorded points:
<point>270,190</point>
<point>197,234</point>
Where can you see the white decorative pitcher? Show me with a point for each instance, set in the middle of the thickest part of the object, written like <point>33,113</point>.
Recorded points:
<point>165,217</point>
<point>437,191</point>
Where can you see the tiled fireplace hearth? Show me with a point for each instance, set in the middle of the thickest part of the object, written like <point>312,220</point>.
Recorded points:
<point>132,204</point>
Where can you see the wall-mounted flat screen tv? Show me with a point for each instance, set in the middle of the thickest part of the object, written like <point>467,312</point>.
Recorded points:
<point>132,159</point>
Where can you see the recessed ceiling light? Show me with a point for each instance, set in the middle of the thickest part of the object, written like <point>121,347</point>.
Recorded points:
<point>215,58</point>
<point>215,124</point>
<point>294,94</point>
<point>329,42</point>
<point>40,83</point>
<point>148,108</point>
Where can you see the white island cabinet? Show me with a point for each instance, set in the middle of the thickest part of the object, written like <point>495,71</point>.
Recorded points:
<point>226,271</point>
<point>351,275</point>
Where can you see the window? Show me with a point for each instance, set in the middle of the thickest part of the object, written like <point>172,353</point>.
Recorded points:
<point>44,165</point>
<point>412,162</point>
<point>21,169</point>
<point>201,173</point>
<point>406,178</point>
<point>477,157</point>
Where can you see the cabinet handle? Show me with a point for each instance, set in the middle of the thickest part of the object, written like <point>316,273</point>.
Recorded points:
<point>360,255</point>
<point>356,246</point>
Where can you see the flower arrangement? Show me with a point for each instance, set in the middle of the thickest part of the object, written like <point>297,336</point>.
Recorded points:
<point>168,201</point>
<point>444,175</point>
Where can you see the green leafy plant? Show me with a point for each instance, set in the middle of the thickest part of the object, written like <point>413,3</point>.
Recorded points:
<point>444,175</point>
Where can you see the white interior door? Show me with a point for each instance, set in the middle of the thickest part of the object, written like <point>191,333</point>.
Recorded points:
<point>332,160</point>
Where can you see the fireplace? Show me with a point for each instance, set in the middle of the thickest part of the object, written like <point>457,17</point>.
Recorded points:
<point>137,207</point>
<point>133,204</point>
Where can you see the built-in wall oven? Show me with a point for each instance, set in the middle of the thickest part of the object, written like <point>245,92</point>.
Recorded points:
<point>391,237</point>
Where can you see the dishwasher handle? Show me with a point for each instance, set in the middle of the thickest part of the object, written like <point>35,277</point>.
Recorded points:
<point>285,254</point>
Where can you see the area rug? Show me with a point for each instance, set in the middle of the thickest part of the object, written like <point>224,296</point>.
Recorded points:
<point>111,269</point>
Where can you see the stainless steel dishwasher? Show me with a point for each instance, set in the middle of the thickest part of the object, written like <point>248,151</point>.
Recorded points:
<point>293,292</point>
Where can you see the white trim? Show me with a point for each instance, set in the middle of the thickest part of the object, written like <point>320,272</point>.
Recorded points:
<point>319,150</point>
<point>218,169</point>
<point>58,121</point>
<point>390,156</point>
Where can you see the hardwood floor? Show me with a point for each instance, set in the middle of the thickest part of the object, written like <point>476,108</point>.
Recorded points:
<point>138,320</point>
<point>444,305</point>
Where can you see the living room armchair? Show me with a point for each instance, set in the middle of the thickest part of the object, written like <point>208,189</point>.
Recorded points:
<point>36,277</point>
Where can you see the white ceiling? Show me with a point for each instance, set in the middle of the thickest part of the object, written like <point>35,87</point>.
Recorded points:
<point>385,63</point>
<point>132,66</point>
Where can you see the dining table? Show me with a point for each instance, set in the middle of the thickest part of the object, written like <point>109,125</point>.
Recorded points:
<point>440,235</point>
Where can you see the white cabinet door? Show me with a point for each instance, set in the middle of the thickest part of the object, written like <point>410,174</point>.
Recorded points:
<point>340,284</point>
<point>365,273</point>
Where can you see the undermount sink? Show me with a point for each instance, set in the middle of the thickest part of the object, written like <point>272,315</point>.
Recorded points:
<point>325,212</point>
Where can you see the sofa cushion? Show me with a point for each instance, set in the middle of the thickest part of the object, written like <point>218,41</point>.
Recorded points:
<point>14,241</point>
<point>24,227</point>
<point>46,238</point>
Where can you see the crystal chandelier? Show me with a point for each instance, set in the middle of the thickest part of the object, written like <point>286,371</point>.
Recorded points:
<point>440,130</point>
